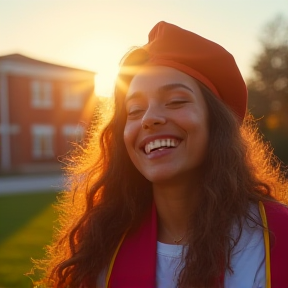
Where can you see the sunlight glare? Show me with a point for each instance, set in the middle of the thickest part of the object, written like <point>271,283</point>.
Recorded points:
<point>105,80</point>
<point>102,55</point>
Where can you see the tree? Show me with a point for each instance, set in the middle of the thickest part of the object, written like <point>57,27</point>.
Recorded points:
<point>268,87</point>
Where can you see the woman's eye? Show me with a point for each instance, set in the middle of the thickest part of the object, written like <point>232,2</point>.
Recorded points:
<point>134,112</point>
<point>176,103</point>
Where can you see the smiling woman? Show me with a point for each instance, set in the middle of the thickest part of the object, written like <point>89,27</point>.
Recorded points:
<point>178,189</point>
<point>164,103</point>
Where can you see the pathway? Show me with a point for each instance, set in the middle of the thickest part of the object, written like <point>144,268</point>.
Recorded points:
<point>36,183</point>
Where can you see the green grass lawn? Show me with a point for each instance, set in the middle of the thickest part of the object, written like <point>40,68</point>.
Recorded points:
<point>26,222</point>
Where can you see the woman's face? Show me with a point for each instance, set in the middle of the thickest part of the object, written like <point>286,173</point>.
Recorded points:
<point>166,131</point>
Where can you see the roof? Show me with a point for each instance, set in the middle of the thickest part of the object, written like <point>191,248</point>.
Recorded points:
<point>27,60</point>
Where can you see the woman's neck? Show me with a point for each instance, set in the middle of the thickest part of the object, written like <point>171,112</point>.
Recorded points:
<point>175,205</point>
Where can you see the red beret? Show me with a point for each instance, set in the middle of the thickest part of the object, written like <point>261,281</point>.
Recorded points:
<point>204,60</point>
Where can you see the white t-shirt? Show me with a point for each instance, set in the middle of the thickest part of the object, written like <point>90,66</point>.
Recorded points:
<point>248,261</point>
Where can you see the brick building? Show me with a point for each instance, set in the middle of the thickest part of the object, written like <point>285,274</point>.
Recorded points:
<point>43,107</point>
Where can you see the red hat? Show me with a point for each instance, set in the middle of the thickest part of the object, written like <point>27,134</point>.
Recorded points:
<point>204,60</point>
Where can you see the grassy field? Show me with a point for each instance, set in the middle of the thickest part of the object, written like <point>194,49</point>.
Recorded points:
<point>26,222</point>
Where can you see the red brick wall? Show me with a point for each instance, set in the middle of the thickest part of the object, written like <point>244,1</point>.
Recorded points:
<point>24,115</point>
<point>19,113</point>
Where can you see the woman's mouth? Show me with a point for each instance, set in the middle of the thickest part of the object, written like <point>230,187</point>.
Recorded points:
<point>160,144</point>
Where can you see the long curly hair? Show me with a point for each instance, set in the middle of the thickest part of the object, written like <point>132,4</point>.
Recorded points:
<point>106,195</point>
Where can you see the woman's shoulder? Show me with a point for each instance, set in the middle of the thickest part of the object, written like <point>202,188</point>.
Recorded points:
<point>276,209</point>
<point>277,219</point>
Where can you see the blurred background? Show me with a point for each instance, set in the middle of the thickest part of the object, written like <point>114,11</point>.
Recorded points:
<point>59,60</point>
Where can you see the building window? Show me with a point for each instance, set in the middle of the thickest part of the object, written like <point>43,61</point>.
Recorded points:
<point>73,133</point>
<point>72,98</point>
<point>41,92</point>
<point>42,141</point>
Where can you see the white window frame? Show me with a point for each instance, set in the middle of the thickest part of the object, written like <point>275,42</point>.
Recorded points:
<point>42,141</point>
<point>72,98</point>
<point>41,94</point>
<point>73,133</point>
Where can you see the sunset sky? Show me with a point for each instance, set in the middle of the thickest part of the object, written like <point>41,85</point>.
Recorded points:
<point>94,34</point>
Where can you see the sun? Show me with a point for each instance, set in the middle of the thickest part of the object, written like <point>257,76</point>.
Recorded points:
<point>101,54</point>
<point>107,54</point>
<point>105,80</point>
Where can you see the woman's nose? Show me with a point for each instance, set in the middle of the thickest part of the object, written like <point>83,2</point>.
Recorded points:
<point>152,117</point>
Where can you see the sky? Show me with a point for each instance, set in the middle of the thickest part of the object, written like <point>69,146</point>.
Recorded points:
<point>95,34</point>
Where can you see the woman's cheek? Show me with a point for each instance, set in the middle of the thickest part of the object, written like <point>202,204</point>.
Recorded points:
<point>129,135</point>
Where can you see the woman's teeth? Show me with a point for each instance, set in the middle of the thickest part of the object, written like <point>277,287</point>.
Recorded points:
<point>160,143</point>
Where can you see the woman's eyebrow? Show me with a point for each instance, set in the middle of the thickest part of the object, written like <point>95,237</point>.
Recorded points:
<point>172,86</point>
<point>134,95</point>
<point>161,90</point>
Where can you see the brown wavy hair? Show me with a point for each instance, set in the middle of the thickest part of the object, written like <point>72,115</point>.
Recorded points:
<point>106,194</point>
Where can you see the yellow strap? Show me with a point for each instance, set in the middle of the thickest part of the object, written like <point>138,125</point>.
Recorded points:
<point>266,243</point>
<point>113,260</point>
